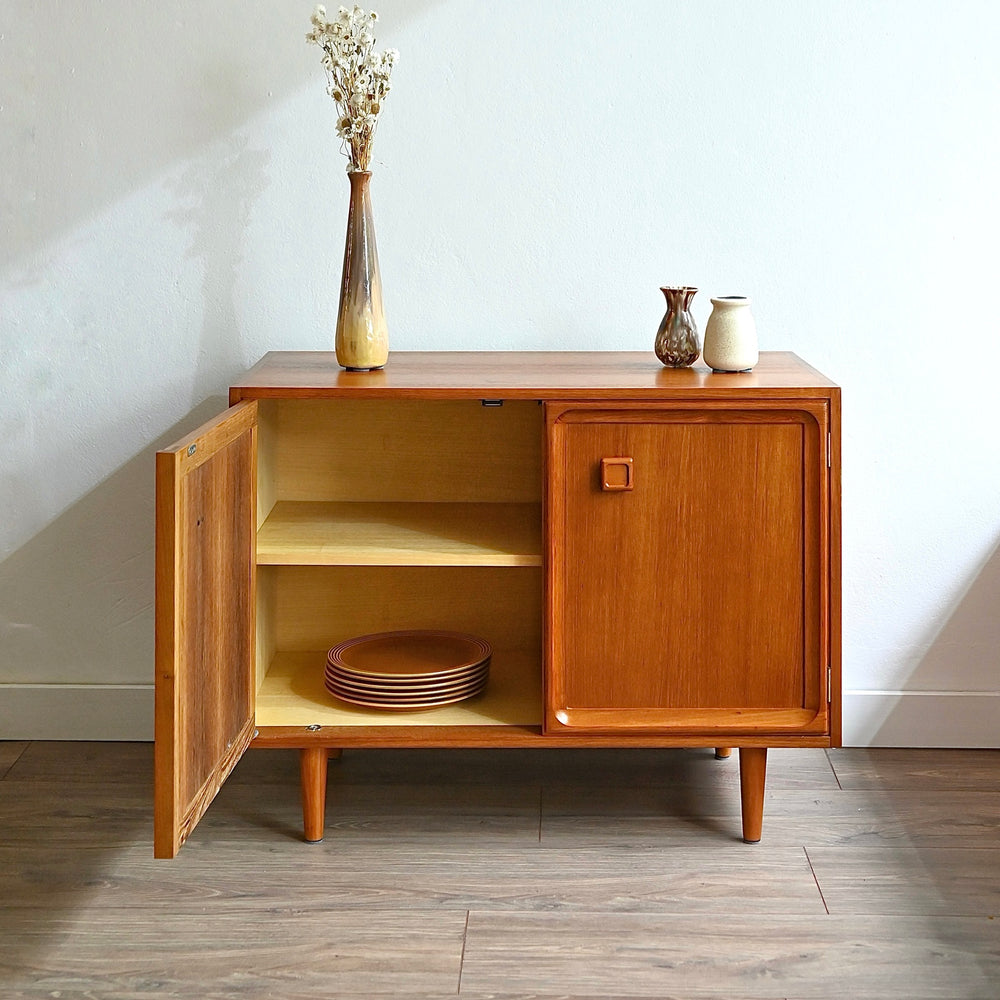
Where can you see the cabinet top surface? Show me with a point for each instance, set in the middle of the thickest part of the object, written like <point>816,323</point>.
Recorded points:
<point>523,374</point>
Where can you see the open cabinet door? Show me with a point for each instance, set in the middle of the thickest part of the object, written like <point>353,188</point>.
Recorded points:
<point>205,578</point>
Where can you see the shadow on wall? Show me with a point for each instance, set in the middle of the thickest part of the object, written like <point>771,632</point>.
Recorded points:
<point>77,599</point>
<point>120,91</point>
<point>963,661</point>
<point>214,199</point>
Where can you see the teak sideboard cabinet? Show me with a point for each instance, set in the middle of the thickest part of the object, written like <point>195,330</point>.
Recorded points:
<point>654,555</point>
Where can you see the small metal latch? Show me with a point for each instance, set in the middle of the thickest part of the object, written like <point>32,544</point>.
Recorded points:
<point>192,449</point>
<point>491,402</point>
<point>313,728</point>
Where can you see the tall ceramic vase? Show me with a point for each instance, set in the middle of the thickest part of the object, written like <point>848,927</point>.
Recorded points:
<point>362,334</point>
<point>731,335</point>
<point>677,344</point>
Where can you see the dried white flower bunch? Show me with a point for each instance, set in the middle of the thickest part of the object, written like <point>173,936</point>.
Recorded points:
<point>357,76</point>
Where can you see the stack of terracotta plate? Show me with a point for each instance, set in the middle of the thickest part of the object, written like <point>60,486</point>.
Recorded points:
<point>408,670</point>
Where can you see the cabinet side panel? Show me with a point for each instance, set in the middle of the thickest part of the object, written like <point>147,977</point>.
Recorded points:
<point>267,457</point>
<point>266,618</point>
<point>835,622</point>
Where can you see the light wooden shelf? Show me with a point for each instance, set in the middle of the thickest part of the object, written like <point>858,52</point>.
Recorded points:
<point>303,533</point>
<point>293,694</point>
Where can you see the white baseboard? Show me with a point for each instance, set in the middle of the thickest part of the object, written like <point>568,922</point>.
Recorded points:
<point>871,718</point>
<point>968,719</point>
<point>76,712</point>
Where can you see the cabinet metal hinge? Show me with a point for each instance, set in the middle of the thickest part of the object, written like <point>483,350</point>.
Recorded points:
<point>829,451</point>
<point>829,683</point>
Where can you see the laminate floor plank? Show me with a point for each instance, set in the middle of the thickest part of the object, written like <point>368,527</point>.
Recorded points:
<point>79,762</point>
<point>405,815</point>
<point>909,880</point>
<point>871,818</point>
<point>179,952</point>
<point>587,874</point>
<point>452,875</point>
<point>859,957</point>
<point>859,768</point>
<point>85,815</point>
<point>10,750</point>
<point>291,991</point>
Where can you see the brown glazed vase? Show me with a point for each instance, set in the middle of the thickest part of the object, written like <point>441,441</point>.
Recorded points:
<point>362,334</point>
<point>677,344</point>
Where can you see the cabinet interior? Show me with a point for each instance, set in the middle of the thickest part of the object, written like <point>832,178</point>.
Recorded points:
<point>390,514</point>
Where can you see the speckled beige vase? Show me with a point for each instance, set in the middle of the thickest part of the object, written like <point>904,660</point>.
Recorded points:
<point>362,334</point>
<point>730,335</point>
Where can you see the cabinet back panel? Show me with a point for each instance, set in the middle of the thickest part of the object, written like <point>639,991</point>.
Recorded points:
<point>409,450</point>
<point>319,606</point>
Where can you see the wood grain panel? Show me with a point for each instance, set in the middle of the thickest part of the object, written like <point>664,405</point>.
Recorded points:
<point>319,606</point>
<point>506,737</point>
<point>293,694</point>
<point>266,614</point>
<point>205,572</point>
<point>699,590</point>
<point>577,375</point>
<point>401,534</point>
<point>409,450</point>
<point>267,458</point>
<point>834,637</point>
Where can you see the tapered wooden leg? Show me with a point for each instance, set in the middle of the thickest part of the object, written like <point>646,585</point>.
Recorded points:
<point>722,753</point>
<point>753,769</point>
<point>312,762</point>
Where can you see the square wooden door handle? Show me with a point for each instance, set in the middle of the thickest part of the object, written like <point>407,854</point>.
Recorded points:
<point>616,474</point>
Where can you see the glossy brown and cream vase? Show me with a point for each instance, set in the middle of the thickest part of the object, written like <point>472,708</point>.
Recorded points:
<point>362,334</point>
<point>677,344</point>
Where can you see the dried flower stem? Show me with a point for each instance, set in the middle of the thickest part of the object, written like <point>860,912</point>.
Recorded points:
<point>357,76</point>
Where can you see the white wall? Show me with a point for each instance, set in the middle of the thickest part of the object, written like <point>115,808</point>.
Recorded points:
<point>173,205</point>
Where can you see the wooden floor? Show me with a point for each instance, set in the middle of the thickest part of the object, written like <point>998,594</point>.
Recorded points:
<point>536,873</point>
